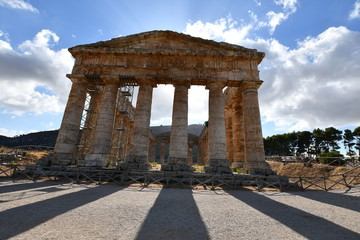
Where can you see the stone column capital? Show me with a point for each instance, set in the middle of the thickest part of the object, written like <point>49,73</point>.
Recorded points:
<point>250,84</point>
<point>146,82</point>
<point>182,83</point>
<point>77,78</point>
<point>110,80</point>
<point>215,84</point>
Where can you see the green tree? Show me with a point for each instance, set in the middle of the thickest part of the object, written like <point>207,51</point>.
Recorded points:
<point>291,142</point>
<point>305,139</point>
<point>356,134</point>
<point>332,136</point>
<point>348,139</point>
<point>319,141</point>
<point>277,145</point>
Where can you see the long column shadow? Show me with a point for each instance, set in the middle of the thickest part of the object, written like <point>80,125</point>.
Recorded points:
<point>174,215</point>
<point>304,223</point>
<point>25,186</point>
<point>20,219</point>
<point>335,199</point>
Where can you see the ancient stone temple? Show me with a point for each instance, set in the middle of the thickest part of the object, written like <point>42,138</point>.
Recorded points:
<point>99,123</point>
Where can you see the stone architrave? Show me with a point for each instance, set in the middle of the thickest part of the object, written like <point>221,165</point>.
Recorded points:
<point>178,148</point>
<point>139,146</point>
<point>99,156</point>
<point>216,130</point>
<point>67,139</point>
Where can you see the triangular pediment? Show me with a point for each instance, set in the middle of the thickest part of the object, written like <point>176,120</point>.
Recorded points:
<point>166,42</point>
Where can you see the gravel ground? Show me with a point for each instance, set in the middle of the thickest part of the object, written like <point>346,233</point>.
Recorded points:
<point>50,210</point>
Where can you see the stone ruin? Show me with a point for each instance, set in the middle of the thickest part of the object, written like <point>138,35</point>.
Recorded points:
<point>101,128</point>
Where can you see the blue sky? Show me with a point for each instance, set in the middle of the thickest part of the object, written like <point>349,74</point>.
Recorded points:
<point>311,71</point>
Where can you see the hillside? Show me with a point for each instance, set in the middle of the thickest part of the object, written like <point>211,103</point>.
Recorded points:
<point>44,138</point>
<point>48,138</point>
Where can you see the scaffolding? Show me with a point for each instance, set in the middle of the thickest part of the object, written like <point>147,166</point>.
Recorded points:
<point>89,116</point>
<point>123,116</point>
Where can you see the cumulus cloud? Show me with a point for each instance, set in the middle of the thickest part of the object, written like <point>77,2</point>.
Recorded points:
<point>10,133</point>
<point>18,4</point>
<point>224,29</point>
<point>32,78</point>
<point>275,18</point>
<point>313,85</point>
<point>355,13</point>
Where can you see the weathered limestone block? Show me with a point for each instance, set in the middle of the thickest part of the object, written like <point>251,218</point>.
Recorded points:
<point>65,146</point>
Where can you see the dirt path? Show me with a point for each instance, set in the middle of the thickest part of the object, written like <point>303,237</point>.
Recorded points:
<point>48,210</point>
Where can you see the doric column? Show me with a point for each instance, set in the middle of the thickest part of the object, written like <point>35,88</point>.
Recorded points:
<point>139,146</point>
<point>178,147</point>
<point>152,151</point>
<point>229,133</point>
<point>238,131</point>
<point>99,156</point>
<point>216,130</point>
<point>254,145</point>
<point>190,156</point>
<point>162,153</point>
<point>67,139</point>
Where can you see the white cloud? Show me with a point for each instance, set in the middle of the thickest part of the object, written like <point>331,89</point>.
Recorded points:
<point>314,85</point>
<point>10,133</point>
<point>18,4</point>
<point>275,18</point>
<point>34,65</point>
<point>257,2</point>
<point>5,36</point>
<point>355,13</point>
<point>224,29</point>
<point>288,5</point>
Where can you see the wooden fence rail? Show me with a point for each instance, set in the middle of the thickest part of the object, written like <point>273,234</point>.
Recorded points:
<point>178,179</point>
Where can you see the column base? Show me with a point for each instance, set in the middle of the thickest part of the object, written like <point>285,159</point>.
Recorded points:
<point>219,162</point>
<point>137,159</point>
<point>137,163</point>
<point>176,167</point>
<point>237,165</point>
<point>177,160</point>
<point>61,158</point>
<point>217,170</point>
<point>259,168</point>
<point>94,160</point>
<point>218,166</point>
<point>135,166</point>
